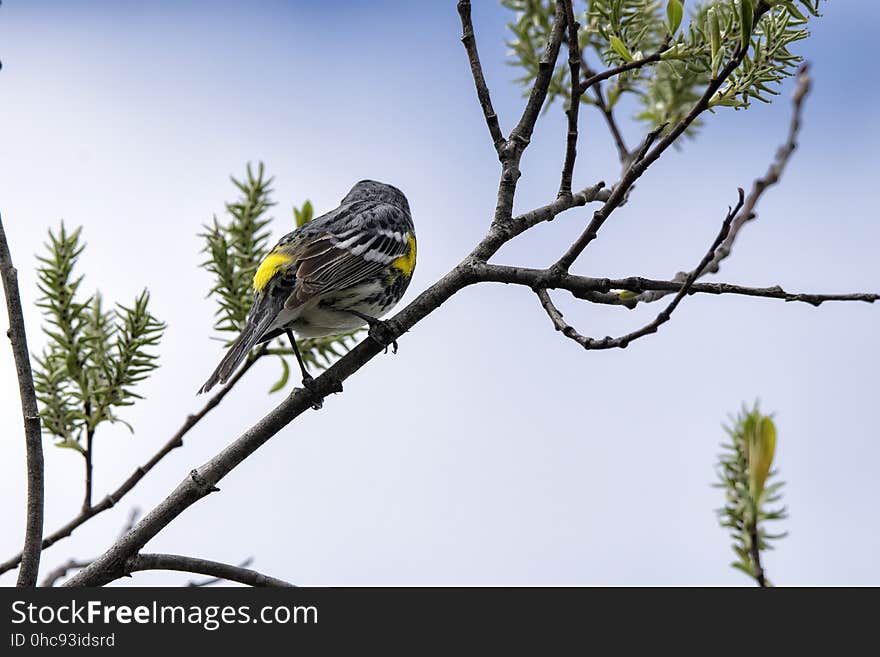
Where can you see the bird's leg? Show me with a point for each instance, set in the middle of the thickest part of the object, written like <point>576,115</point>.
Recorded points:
<point>308,380</point>
<point>379,331</point>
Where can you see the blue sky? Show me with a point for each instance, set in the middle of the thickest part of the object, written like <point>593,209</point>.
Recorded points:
<point>489,450</point>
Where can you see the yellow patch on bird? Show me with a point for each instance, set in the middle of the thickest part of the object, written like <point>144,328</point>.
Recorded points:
<point>407,262</point>
<point>268,268</point>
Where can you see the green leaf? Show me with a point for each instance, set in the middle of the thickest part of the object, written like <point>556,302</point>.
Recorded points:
<point>621,49</point>
<point>747,14</point>
<point>715,39</point>
<point>761,448</point>
<point>304,215</point>
<point>674,14</point>
<point>793,10</point>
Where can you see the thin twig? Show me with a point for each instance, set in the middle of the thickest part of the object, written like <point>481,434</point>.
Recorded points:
<point>513,149</point>
<point>57,573</point>
<point>470,45</point>
<point>499,234</point>
<point>214,580</point>
<point>665,315</point>
<point>30,562</point>
<point>175,441</point>
<point>522,133</point>
<point>648,156</point>
<point>74,564</point>
<point>755,552</point>
<point>623,152</point>
<point>760,185</point>
<point>628,66</point>
<point>185,564</point>
<point>635,284</point>
<point>585,287</point>
<point>90,437</point>
<point>574,65</point>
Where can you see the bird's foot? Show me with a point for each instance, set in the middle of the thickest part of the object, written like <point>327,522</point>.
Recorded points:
<point>382,333</point>
<point>309,385</point>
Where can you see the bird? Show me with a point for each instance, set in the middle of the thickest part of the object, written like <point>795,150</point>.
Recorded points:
<point>340,271</point>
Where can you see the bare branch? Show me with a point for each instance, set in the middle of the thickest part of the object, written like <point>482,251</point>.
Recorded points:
<point>499,234</point>
<point>73,564</point>
<point>574,65</point>
<point>225,571</point>
<point>513,149</point>
<point>90,439</point>
<point>599,290</point>
<point>113,498</point>
<point>623,152</point>
<point>30,563</point>
<point>665,315</point>
<point>755,551</point>
<point>214,580</point>
<point>595,78</point>
<point>648,156</point>
<point>636,284</point>
<point>470,45</point>
<point>522,133</point>
<point>57,573</point>
<point>774,172</point>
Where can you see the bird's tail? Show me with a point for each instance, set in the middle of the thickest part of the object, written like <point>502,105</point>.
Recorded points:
<point>262,315</point>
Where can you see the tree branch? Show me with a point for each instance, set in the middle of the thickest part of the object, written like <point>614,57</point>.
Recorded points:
<point>90,437</point>
<point>574,65</point>
<point>225,571</point>
<point>57,573</point>
<point>214,580</point>
<point>665,315</point>
<point>512,151</point>
<point>30,563</point>
<point>585,287</point>
<point>595,78</point>
<point>174,442</point>
<point>522,133</point>
<point>74,564</point>
<point>502,223</point>
<point>203,481</point>
<point>755,552</point>
<point>470,46</point>
<point>623,152</point>
<point>648,156</point>
<point>760,185</point>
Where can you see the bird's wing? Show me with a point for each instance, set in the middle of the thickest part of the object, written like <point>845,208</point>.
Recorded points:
<point>342,253</point>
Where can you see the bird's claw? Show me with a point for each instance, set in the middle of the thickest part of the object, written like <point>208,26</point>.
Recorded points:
<point>382,334</point>
<point>309,384</point>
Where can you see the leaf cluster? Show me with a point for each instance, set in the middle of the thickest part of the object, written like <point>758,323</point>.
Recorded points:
<point>751,486</point>
<point>694,49</point>
<point>94,357</point>
<point>235,248</point>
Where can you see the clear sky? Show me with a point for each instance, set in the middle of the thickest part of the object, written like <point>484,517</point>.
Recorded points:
<point>489,450</point>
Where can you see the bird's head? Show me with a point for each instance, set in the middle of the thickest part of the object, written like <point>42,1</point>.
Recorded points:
<point>373,190</point>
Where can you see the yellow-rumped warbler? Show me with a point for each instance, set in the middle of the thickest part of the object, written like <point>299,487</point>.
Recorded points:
<point>336,273</point>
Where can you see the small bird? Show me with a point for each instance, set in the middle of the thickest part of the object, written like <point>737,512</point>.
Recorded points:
<point>340,271</point>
